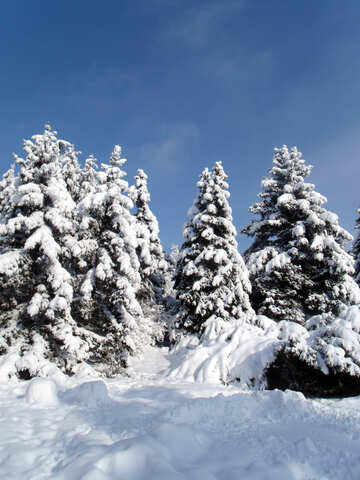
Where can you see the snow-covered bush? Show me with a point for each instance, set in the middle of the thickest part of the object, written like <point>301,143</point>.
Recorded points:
<point>324,360</point>
<point>226,352</point>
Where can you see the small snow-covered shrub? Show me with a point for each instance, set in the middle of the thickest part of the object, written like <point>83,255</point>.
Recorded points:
<point>323,362</point>
<point>227,352</point>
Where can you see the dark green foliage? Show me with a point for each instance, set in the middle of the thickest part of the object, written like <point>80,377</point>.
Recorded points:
<point>288,371</point>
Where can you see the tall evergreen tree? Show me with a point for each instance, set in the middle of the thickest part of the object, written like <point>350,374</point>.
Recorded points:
<point>150,252</point>
<point>298,264</point>
<point>36,290</point>
<point>111,284</point>
<point>211,278</point>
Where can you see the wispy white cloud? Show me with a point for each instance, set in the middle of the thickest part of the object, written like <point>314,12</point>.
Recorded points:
<point>95,78</point>
<point>171,152</point>
<point>241,69</point>
<point>209,34</point>
<point>199,25</point>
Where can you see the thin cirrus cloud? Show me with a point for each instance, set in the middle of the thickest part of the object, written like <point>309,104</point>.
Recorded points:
<point>169,154</point>
<point>208,35</point>
<point>199,25</point>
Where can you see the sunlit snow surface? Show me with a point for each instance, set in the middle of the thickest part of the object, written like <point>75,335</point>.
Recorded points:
<point>152,427</point>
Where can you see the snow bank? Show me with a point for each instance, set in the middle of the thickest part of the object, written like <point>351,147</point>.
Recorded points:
<point>227,352</point>
<point>42,392</point>
<point>155,428</point>
<point>242,352</point>
<point>90,394</point>
<point>158,455</point>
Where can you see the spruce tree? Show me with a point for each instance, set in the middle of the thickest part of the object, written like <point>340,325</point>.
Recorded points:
<point>297,262</point>
<point>211,278</point>
<point>36,291</point>
<point>112,279</point>
<point>150,252</point>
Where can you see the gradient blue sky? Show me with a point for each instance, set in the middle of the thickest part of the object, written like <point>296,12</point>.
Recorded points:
<point>182,84</point>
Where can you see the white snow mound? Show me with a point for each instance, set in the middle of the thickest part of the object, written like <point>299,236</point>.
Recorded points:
<point>241,352</point>
<point>90,394</point>
<point>226,352</point>
<point>42,392</point>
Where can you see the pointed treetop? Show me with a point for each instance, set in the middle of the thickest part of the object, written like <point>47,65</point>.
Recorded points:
<point>204,177</point>
<point>141,174</point>
<point>115,158</point>
<point>292,161</point>
<point>91,161</point>
<point>141,194</point>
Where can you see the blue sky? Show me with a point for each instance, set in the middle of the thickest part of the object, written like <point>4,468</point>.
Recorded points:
<point>182,84</point>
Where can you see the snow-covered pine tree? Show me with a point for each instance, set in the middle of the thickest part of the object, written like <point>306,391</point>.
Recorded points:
<point>36,290</point>
<point>112,281</point>
<point>150,252</point>
<point>153,264</point>
<point>211,278</point>
<point>298,264</point>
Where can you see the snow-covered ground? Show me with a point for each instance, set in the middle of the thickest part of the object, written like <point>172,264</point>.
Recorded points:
<point>149,426</point>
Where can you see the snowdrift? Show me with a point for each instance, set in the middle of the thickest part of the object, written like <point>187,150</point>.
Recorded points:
<point>157,428</point>
<point>321,358</point>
